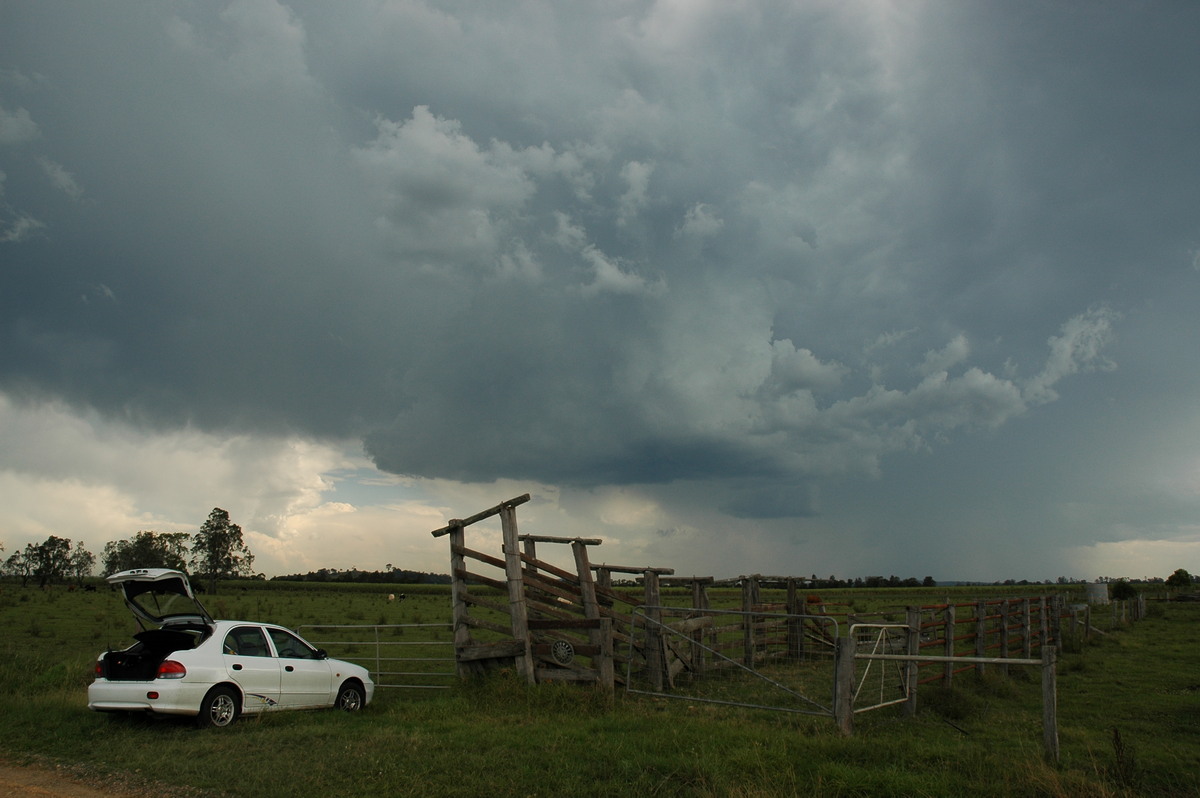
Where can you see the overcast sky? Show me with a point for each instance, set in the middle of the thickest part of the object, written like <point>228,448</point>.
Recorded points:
<point>852,288</point>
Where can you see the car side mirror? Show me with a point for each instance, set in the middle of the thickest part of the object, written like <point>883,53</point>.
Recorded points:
<point>322,654</point>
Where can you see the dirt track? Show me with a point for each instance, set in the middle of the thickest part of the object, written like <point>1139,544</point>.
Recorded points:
<point>34,781</point>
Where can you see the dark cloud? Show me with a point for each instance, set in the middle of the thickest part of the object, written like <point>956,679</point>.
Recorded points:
<point>753,248</point>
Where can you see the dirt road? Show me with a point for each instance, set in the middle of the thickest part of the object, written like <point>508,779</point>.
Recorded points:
<point>36,781</point>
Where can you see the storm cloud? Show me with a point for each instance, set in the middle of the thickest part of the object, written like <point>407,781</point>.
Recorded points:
<point>740,258</point>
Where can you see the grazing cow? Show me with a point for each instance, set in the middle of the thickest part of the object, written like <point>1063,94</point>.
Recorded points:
<point>391,597</point>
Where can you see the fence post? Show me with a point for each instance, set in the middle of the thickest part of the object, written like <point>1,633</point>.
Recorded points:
<point>655,658</point>
<point>1058,603</point>
<point>602,636</point>
<point>948,671</point>
<point>459,614</point>
<point>1026,629</point>
<point>749,599</point>
<point>913,648</point>
<point>516,592</point>
<point>980,633</point>
<point>1050,703</point>
<point>699,604</point>
<point>1043,623</point>
<point>843,684</point>
<point>1004,634</point>
<point>795,625</point>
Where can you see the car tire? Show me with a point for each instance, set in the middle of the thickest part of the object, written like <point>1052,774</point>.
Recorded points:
<point>351,697</point>
<point>219,708</point>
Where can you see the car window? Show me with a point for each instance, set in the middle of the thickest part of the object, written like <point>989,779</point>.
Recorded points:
<point>246,641</point>
<point>290,646</point>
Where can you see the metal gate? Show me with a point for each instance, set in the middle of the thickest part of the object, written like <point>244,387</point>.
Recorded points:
<point>763,660</point>
<point>413,655</point>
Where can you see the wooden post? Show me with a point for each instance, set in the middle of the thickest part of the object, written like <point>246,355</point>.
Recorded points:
<point>1004,634</point>
<point>655,658</point>
<point>843,685</point>
<point>749,598</point>
<point>1050,703</point>
<point>980,634</point>
<point>529,546</point>
<point>1043,622</point>
<point>602,637</point>
<point>948,645</point>
<point>913,648</point>
<point>1056,611</point>
<point>516,592</point>
<point>700,604</point>
<point>1026,629</point>
<point>458,586</point>
<point>795,625</point>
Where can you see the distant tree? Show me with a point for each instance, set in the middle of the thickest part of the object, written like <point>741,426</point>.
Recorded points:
<point>81,563</point>
<point>20,564</point>
<point>1180,578</point>
<point>147,549</point>
<point>928,582</point>
<point>219,551</point>
<point>51,560</point>
<point>1122,590</point>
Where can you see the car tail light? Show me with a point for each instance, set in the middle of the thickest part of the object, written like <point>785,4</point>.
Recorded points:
<point>170,669</point>
<point>99,669</point>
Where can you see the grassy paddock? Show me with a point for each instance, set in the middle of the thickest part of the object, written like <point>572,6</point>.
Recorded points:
<point>1129,713</point>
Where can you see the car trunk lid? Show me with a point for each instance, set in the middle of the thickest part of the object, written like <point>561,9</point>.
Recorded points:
<point>160,597</point>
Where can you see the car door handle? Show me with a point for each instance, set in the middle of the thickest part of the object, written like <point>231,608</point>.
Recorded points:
<point>237,666</point>
<point>288,668</point>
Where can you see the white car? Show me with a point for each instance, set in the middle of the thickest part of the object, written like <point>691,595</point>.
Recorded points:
<point>186,663</point>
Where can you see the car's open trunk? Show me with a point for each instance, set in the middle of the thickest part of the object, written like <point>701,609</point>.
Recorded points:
<point>139,662</point>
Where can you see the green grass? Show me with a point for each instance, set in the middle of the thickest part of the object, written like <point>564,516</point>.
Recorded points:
<point>501,737</point>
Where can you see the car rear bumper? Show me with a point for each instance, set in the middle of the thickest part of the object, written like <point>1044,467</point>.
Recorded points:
<point>162,696</point>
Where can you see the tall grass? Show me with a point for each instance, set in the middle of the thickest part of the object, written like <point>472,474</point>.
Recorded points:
<point>500,736</point>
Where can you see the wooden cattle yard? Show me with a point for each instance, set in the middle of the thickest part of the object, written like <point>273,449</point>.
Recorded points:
<point>549,623</point>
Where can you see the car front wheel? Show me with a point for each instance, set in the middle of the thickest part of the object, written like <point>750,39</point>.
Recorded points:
<point>218,709</point>
<point>351,697</point>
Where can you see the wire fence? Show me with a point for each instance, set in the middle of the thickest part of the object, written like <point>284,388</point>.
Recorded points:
<point>418,656</point>
<point>761,660</point>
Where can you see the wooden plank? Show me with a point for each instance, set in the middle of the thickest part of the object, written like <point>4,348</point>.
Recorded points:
<point>581,650</point>
<point>551,610</point>
<point>486,603</point>
<point>682,581</point>
<point>633,569</point>
<point>691,624</point>
<point>467,576</point>
<point>564,623</point>
<point>552,539</point>
<point>504,648</point>
<point>478,555</point>
<point>536,566</point>
<point>480,623</point>
<point>540,583</point>
<point>456,523</point>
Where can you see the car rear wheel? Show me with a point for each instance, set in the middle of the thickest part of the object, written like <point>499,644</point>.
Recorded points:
<point>218,709</point>
<point>351,697</point>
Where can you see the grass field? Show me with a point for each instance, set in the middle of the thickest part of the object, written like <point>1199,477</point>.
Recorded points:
<point>1129,715</point>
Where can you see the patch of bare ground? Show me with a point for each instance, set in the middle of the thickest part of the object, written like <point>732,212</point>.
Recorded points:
<point>46,780</point>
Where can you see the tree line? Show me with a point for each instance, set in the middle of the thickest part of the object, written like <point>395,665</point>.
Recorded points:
<point>217,551</point>
<point>388,575</point>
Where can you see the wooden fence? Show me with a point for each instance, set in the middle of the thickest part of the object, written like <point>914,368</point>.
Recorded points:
<point>550,623</point>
